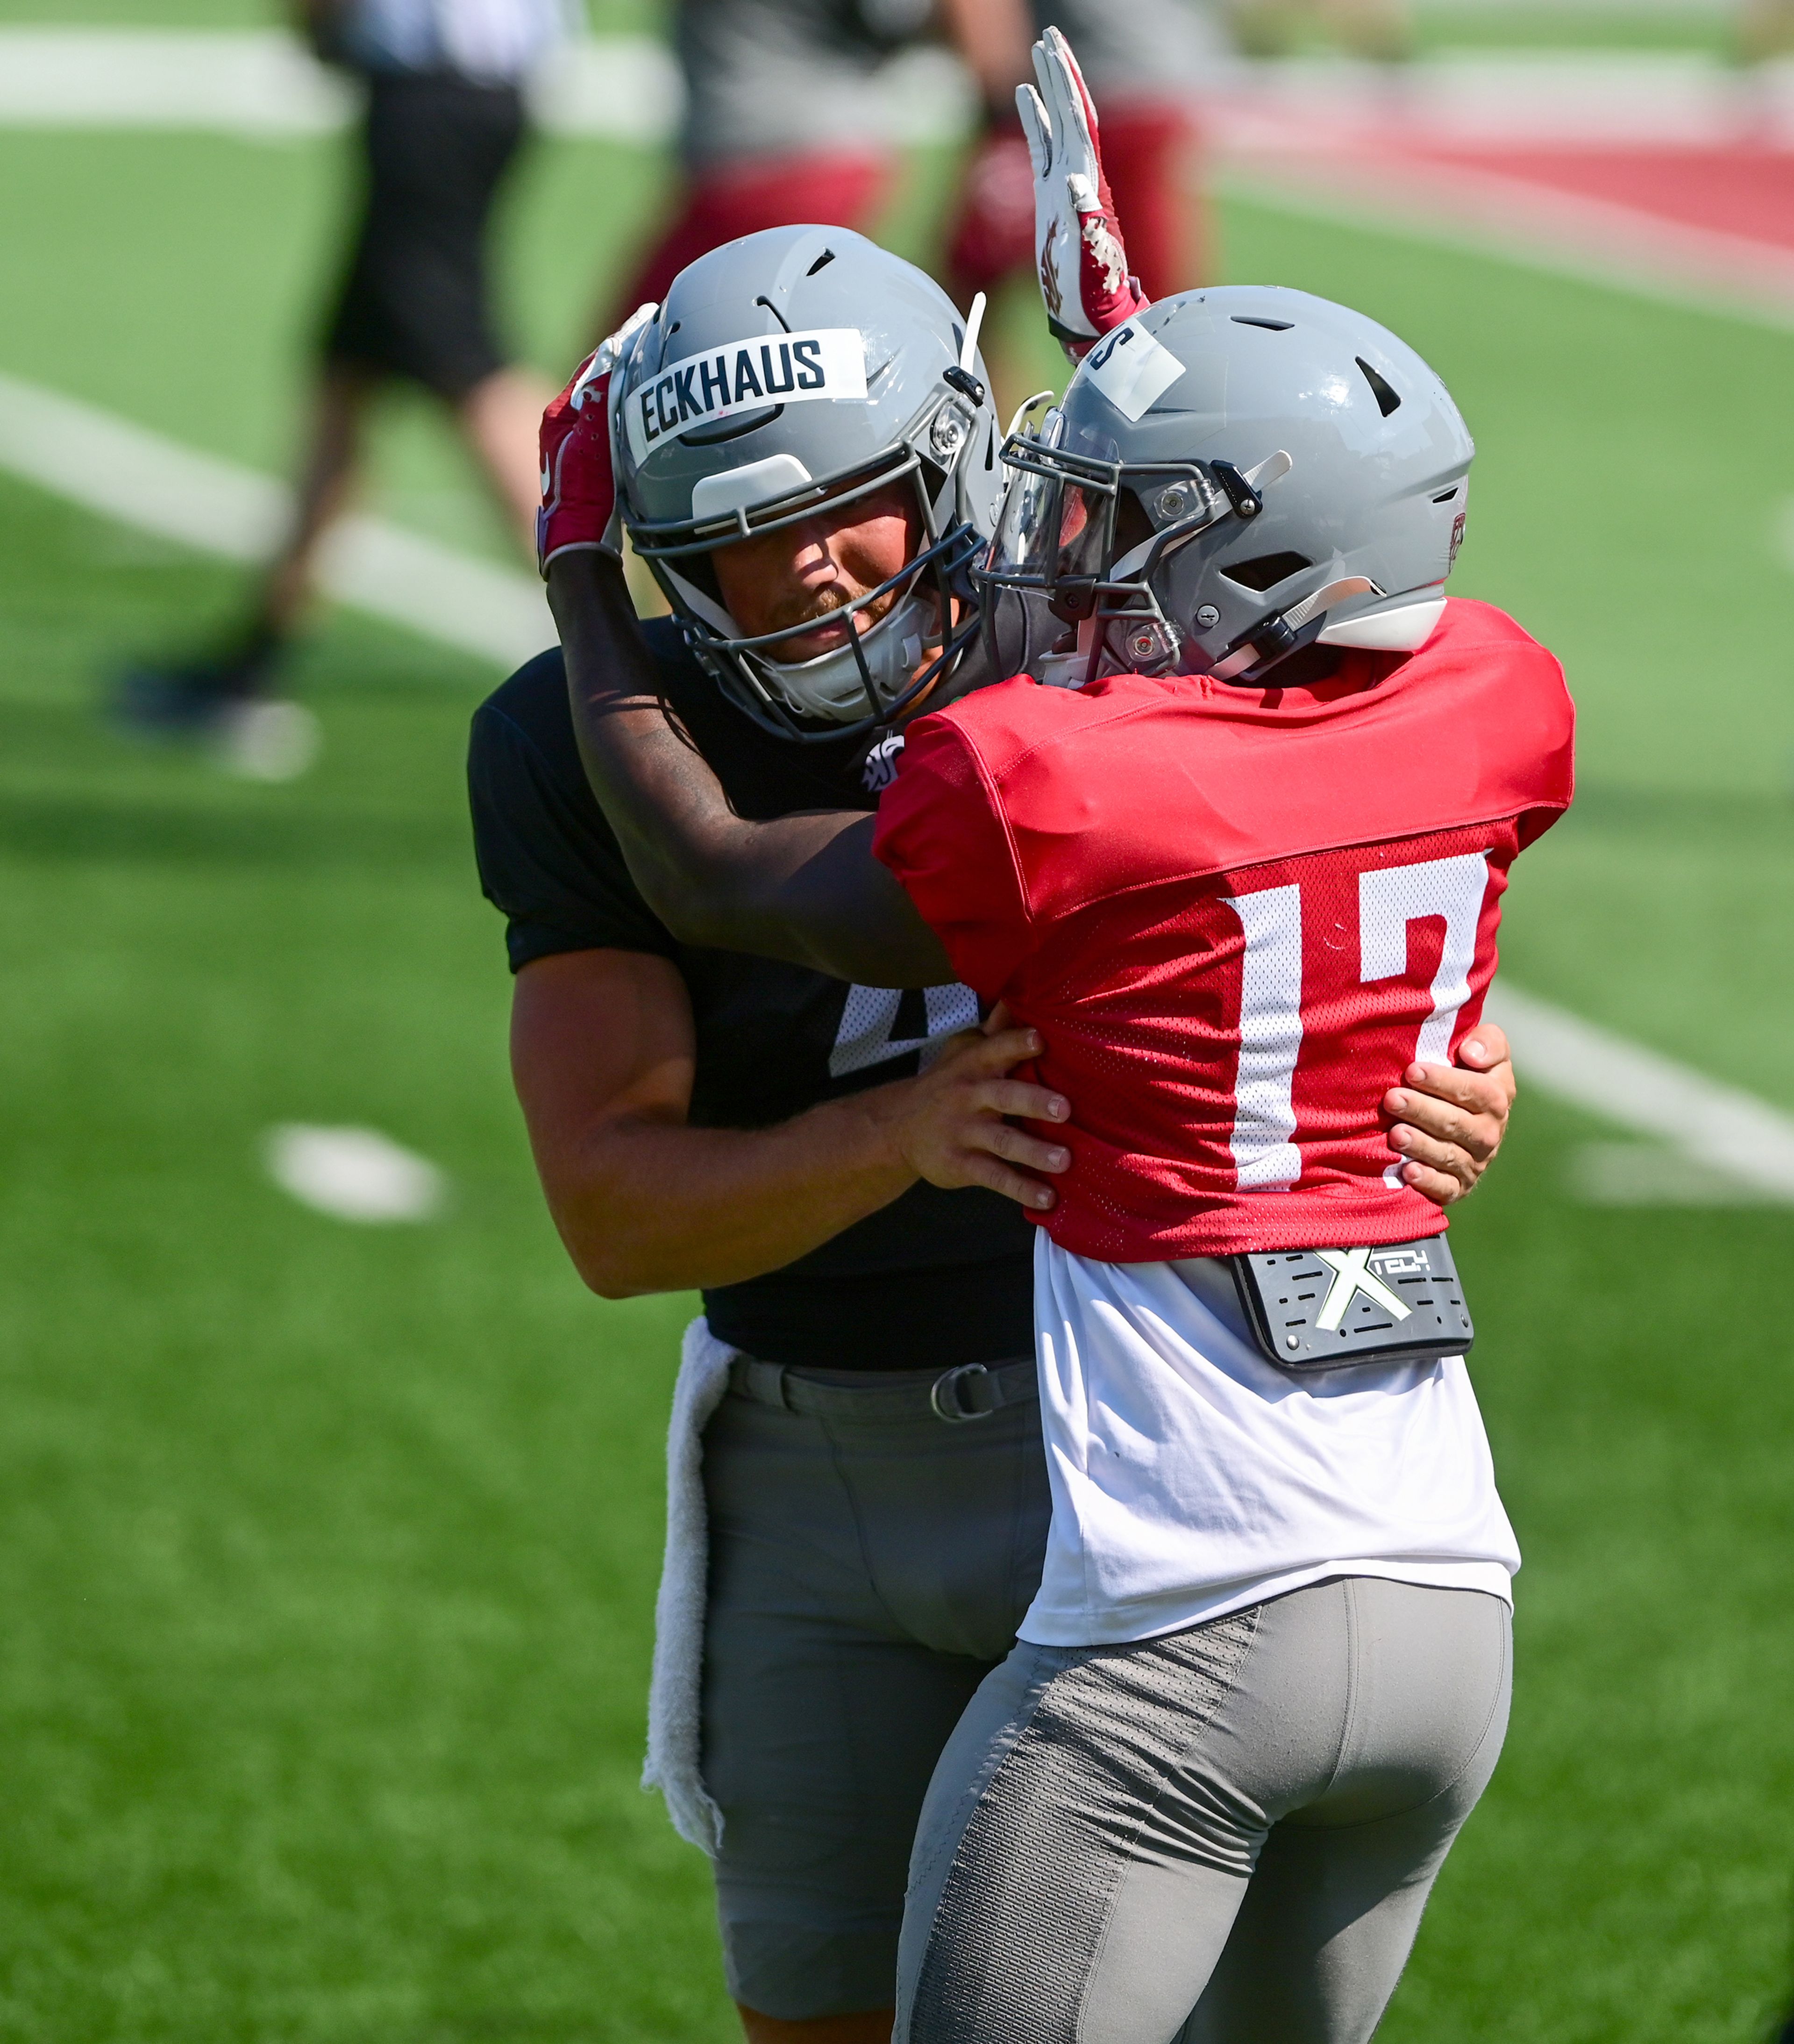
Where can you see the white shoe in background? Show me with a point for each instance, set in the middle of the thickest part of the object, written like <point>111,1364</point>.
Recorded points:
<point>267,740</point>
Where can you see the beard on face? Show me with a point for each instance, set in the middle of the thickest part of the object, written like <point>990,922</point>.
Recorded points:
<point>821,606</point>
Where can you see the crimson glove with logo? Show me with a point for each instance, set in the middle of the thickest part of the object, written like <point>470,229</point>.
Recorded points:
<point>1082,265</point>
<point>578,512</point>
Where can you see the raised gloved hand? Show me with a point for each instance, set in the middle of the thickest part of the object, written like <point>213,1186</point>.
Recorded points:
<point>578,511</point>
<point>1082,265</point>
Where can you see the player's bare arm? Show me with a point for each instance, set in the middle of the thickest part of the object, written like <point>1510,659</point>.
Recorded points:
<point>804,888</point>
<point>602,1055</point>
<point>992,38</point>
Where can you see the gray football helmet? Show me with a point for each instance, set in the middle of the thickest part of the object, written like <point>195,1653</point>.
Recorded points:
<point>1235,473</point>
<point>788,367</point>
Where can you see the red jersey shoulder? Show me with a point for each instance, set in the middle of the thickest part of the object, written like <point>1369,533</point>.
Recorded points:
<point>1005,721</point>
<point>1481,671</point>
<point>1468,618</point>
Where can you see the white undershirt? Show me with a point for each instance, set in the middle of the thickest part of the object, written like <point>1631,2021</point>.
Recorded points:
<point>1191,1477</point>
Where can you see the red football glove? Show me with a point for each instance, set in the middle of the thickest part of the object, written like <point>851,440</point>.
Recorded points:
<point>578,511</point>
<point>1083,266</point>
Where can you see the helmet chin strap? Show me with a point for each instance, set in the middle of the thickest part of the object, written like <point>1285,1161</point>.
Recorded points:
<point>1276,635</point>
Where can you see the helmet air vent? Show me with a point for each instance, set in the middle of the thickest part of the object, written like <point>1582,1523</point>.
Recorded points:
<point>731,429</point>
<point>821,262</point>
<point>1266,571</point>
<point>1269,326</point>
<point>1445,496</point>
<point>1387,399</point>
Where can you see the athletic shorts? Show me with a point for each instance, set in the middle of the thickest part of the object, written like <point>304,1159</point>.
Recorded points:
<point>1226,1835</point>
<point>869,1565</point>
<point>414,299</point>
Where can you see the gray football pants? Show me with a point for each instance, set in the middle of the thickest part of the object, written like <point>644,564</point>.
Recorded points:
<point>869,1565</point>
<point>1227,1834</point>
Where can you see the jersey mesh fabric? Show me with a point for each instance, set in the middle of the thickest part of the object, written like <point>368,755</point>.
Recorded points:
<point>1236,916</point>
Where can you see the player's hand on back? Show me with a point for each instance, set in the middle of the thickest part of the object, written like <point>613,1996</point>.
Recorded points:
<point>1079,258</point>
<point>953,1124</point>
<point>1448,1120</point>
<point>578,512</point>
<point>949,1123</point>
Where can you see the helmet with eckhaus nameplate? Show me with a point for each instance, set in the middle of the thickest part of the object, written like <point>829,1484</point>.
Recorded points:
<point>786,370</point>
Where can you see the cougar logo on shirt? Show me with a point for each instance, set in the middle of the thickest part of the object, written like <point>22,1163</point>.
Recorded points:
<point>744,376</point>
<point>881,766</point>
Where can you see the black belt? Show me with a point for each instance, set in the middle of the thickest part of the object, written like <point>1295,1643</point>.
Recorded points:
<point>973,1391</point>
<point>1327,1308</point>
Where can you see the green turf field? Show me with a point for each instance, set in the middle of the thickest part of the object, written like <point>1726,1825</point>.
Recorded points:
<point>327,1554</point>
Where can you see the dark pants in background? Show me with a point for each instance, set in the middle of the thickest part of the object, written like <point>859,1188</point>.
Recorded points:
<point>415,300</point>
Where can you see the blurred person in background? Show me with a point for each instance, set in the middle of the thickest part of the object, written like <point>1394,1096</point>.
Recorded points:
<point>1144,60</point>
<point>1765,30</point>
<point>785,120</point>
<point>443,122</point>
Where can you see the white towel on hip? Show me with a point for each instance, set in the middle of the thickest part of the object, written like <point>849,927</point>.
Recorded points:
<point>674,1697</point>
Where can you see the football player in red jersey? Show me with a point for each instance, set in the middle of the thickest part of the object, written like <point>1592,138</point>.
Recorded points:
<point>761,576</point>
<point>1212,851</point>
<point>1235,852</point>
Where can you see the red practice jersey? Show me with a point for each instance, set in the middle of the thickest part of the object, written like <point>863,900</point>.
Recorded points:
<point>1236,915</point>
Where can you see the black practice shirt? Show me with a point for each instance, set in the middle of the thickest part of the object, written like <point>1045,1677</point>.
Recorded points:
<point>934,1279</point>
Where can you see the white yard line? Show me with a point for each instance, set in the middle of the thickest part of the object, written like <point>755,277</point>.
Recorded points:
<point>126,472</point>
<point>263,84</point>
<point>1720,1128</point>
<point>1655,99</point>
<point>353,1175</point>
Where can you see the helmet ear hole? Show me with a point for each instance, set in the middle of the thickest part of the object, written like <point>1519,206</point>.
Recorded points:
<point>1266,571</point>
<point>1133,527</point>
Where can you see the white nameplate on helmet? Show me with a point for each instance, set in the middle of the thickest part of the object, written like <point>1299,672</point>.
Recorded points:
<point>744,376</point>
<point>1131,370</point>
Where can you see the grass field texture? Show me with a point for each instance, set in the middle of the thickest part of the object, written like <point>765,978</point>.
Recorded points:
<point>328,1555</point>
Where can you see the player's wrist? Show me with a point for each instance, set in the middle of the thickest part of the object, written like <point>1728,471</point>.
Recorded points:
<point>888,1132</point>
<point>585,578</point>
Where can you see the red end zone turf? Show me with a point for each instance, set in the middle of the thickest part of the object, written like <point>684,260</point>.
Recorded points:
<point>1737,191</point>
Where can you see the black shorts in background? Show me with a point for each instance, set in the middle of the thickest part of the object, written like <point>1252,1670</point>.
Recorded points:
<point>414,302</point>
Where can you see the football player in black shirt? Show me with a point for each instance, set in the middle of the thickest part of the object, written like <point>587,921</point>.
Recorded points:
<point>714,1101</point>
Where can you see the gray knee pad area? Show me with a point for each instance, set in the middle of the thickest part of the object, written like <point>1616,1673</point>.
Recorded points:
<point>1225,1836</point>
